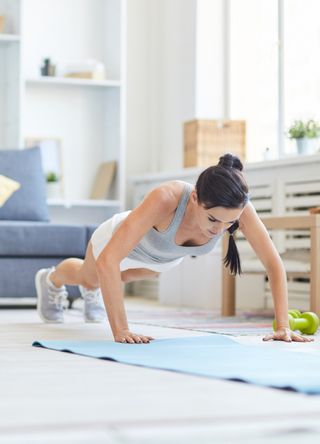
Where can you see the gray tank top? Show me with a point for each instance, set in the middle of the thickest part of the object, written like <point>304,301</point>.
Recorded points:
<point>160,247</point>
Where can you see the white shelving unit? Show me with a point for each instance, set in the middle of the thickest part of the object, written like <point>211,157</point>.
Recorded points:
<point>9,38</point>
<point>62,81</point>
<point>82,211</point>
<point>82,203</point>
<point>88,117</point>
<point>10,74</point>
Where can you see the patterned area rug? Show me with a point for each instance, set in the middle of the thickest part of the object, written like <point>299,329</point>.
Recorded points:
<point>244,324</point>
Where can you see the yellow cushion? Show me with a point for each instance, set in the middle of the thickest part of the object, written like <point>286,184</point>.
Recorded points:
<point>7,188</point>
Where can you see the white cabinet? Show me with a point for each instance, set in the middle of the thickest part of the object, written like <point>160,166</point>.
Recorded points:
<point>86,116</point>
<point>196,282</point>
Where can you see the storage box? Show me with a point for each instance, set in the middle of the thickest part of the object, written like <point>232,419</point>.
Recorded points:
<point>86,75</point>
<point>206,140</point>
<point>86,69</point>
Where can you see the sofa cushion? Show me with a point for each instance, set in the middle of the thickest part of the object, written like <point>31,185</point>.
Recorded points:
<point>7,188</point>
<point>29,202</point>
<point>26,268</point>
<point>41,239</point>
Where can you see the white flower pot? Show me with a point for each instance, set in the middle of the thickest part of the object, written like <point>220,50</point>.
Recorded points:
<point>307,145</point>
<point>53,190</point>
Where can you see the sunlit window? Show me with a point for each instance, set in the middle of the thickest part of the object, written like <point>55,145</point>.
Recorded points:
<point>301,62</point>
<point>254,73</point>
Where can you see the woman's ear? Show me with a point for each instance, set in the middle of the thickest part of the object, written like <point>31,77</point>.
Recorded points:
<point>194,197</point>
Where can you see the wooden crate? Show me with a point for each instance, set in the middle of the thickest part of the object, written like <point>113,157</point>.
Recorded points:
<point>206,140</point>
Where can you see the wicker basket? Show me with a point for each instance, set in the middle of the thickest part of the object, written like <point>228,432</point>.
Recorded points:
<point>206,140</point>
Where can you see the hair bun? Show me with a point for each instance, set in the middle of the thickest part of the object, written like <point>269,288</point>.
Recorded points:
<point>230,161</point>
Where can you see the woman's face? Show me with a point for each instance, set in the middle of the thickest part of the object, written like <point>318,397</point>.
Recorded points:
<point>216,220</point>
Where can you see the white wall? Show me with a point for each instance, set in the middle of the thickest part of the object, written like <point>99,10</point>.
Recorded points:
<point>138,132</point>
<point>175,74</point>
<point>209,87</point>
<point>174,79</point>
<point>161,81</point>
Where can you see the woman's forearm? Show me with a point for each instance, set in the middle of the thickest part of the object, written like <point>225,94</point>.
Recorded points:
<point>112,292</point>
<point>278,284</point>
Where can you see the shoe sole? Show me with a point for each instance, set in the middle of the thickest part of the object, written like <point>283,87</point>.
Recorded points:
<point>89,321</point>
<point>39,298</point>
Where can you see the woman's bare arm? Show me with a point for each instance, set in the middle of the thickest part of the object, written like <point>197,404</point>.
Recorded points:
<point>258,237</point>
<point>157,205</point>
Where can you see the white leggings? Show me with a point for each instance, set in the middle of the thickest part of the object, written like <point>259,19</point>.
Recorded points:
<point>103,234</point>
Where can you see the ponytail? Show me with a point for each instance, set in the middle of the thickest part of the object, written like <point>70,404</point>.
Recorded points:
<point>232,259</point>
<point>223,185</point>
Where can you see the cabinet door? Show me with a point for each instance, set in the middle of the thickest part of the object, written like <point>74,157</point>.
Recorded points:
<point>201,281</point>
<point>170,286</point>
<point>196,282</point>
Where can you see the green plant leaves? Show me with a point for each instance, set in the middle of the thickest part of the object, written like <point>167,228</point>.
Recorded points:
<point>299,129</point>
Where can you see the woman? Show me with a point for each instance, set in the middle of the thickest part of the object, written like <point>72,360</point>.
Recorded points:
<point>174,220</point>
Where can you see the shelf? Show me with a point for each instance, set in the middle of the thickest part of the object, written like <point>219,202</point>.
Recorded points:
<point>87,211</point>
<point>82,203</point>
<point>65,81</point>
<point>9,38</point>
<point>85,118</point>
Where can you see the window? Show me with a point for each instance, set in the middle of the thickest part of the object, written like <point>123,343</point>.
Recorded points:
<point>254,72</point>
<point>301,62</point>
<point>266,90</point>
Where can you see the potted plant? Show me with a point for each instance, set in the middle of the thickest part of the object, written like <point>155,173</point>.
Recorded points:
<point>306,134</point>
<point>53,185</point>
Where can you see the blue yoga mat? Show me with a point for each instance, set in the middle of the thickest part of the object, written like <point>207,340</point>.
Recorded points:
<point>213,356</point>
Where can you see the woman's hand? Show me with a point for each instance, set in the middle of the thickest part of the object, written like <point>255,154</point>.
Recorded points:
<point>126,337</point>
<point>287,335</point>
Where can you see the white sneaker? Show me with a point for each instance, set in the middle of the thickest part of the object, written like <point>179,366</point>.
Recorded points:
<point>51,299</point>
<point>93,310</point>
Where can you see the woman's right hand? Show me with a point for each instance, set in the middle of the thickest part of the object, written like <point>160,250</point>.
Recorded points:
<point>127,337</point>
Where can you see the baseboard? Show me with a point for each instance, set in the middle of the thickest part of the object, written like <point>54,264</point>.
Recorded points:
<point>18,302</point>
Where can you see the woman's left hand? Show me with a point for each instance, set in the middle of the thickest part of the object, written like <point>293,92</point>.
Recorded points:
<point>287,335</point>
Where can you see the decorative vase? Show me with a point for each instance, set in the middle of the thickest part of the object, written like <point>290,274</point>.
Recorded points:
<point>307,145</point>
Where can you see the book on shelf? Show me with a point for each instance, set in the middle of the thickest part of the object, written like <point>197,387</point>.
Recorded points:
<point>2,22</point>
<point>103,180</point>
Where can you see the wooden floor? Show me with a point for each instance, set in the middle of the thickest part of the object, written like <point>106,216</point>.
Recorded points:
<point>53,397</point>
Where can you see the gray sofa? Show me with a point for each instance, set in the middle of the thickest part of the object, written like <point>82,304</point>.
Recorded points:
<point>28,241</point>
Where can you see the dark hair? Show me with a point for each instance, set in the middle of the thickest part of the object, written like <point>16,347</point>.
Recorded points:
<point>223,185</point>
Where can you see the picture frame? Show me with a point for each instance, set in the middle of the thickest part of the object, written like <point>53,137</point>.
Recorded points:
<point>52,161</point>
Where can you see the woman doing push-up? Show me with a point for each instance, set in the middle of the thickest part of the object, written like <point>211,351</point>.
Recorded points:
<point>174,220</point>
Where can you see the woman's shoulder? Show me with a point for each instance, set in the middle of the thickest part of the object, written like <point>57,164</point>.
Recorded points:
<point>166,195</point>
<point>160,202</point>
<point>172,190</point>
<point>174,186</point>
